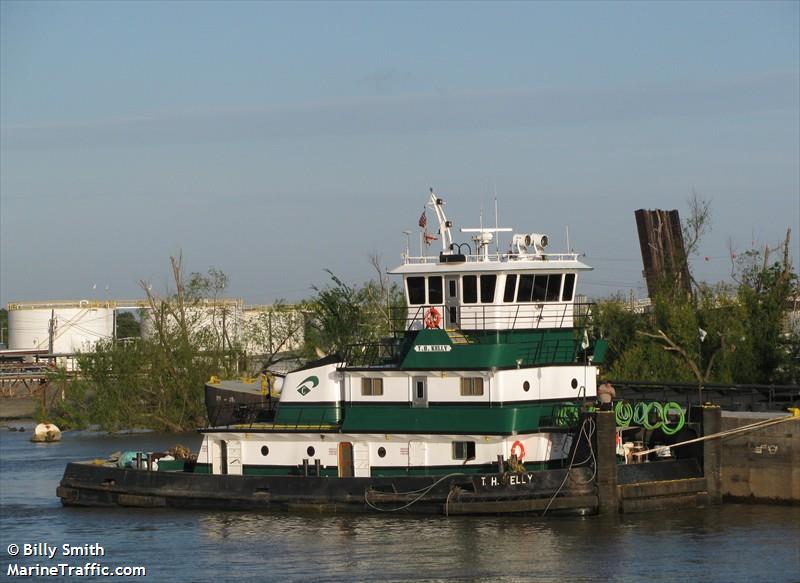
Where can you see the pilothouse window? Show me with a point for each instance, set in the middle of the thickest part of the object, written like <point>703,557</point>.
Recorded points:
<point>488,283</point>
<point>416,290</point>
<point>569,287</point>
<point>525,288</point>
<point>553,287</point>
<point>539,288</point>
<point>511,287</point>
<point>435,290</point>
<point>470,289</point>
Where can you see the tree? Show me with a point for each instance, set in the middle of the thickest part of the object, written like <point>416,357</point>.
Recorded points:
<point>128,326</point>
<point>3,326</point>
<point>342,314</point>
<point>275,334</point>
<point>766,289</point>
<point>724,333</point>
<point>158,381</point>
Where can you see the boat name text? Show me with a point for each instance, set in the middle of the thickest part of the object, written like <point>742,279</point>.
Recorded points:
<point>513,480</point>
<point>432,348</point>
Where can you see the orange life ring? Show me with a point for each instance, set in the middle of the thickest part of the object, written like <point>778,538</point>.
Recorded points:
<point>518,450</point>
<point>433,319</point>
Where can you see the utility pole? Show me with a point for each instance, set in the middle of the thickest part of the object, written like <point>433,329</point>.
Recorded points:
<point>51,328</point>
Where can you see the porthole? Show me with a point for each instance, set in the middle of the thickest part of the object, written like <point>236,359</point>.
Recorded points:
<point>574,383</point>
<point>310,451</point>
<point>526,386</point>
<point>264,450</point>
<point>381,452</point>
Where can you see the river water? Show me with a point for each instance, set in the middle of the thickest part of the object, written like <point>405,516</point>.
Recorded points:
<point>726,544</point>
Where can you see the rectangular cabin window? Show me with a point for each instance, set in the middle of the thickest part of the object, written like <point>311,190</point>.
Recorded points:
<point>471,387</point>
<point>540,288</point>
<point>451,288</point>
<point>488,283</point>
<point>511,287</point>
<point>463,450</point>
<point>371,387</point>
<point>416,290</point>
<point>525,288</point>
<point>553,287</point>
<point>470,289</point>
<point>569,287</point>
<point>435,295</point>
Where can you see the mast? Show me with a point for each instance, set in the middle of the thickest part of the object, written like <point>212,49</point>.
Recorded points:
<point>444,225</point>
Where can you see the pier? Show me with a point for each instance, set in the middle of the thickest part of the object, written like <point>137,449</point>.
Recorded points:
<point>762,465</point>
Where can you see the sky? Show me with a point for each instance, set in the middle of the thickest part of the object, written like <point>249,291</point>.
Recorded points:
<point>274,141</point>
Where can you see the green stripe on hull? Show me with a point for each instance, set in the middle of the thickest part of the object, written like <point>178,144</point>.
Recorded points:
<point>450,419</point>
<point>486,349</point>
<point>378,472</point>
<point>287,471</point>
<point>308,415</point>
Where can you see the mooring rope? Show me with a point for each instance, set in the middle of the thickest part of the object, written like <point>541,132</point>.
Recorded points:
<point>424,491</point>
<point>591,456</point>
<point>723,434</point>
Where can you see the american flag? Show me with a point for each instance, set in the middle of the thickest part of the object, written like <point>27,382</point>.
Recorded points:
<point>429,238</point>
<point>423,220</point>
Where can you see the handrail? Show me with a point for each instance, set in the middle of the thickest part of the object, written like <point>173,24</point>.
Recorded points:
<point>498,257</point>
<point>533,315</point>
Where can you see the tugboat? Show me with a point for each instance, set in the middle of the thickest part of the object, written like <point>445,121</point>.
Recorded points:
<point>475,405</point>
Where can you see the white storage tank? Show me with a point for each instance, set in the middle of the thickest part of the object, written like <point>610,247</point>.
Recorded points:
<point>210,317</point>
<point>271,329</point>
<point>76,326</point>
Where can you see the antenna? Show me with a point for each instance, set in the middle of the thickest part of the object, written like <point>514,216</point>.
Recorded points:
<point>408,244</point>
<point>496,222</point>
<point>569,249</point>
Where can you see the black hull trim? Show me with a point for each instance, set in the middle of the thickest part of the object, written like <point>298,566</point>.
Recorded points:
<point>91,485</point>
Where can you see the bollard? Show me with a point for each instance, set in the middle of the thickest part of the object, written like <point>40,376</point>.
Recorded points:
<point>712,453</point>
<point>606,451</point>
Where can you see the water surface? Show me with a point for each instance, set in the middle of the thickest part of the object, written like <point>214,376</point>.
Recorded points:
<point>730,543</point>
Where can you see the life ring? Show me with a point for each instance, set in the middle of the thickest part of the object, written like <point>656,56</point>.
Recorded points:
<point>433,319</point>
<point>518,450</point>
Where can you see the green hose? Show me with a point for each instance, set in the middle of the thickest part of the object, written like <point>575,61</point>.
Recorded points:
<point>672,407</point>
<point>640,412</point>
<point>654,406</point>
<point>623,412</point>
<point>567,415</point>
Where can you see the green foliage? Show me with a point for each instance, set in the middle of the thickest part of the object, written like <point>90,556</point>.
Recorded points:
<point>128,326</point>
<point>4,325</point>
<point>274,334</point>
<point>341,314</point>
<point>617,325</point>
<point>723,334</point>
<point>156,382</point>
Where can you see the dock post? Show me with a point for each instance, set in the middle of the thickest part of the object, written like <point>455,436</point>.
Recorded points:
<point>606,433</point>
<point>712,453</point>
